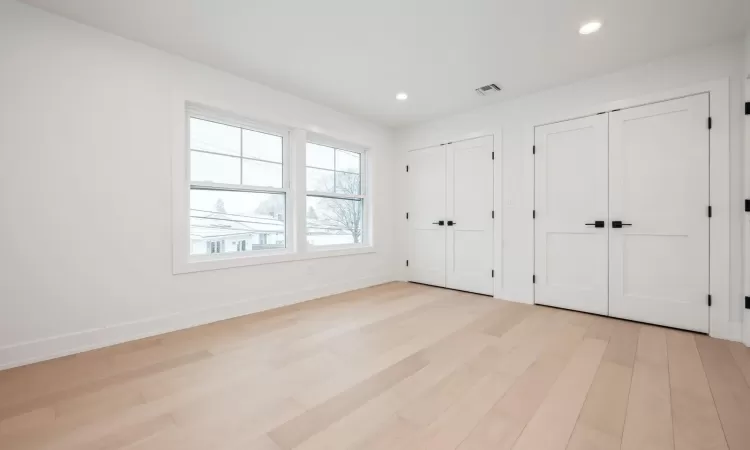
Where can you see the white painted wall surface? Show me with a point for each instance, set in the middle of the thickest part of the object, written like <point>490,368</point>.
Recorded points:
<point>512,123</point>
<point>88,126</point>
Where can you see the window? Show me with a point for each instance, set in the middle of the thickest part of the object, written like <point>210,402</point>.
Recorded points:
<point>238,187</point>
<point>246,199</point>
<point>335,196</point>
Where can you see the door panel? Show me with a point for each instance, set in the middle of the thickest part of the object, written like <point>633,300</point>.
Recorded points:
<point>570,191</point>
<point>470,241</point>
<point>427,197</point>
<point>659,168</point>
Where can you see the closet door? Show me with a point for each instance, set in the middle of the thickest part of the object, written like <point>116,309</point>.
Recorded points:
<point>571,229</point>
<point>470,240</point>
<point>426,199</point>
<point>659,190</point>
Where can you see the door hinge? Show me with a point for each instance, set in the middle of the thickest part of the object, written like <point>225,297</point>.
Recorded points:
<point>407,216</point>
<point>747,205</point>
<point>407,168</point>
<point>710,211</point>
<point>407,263</point>
<point>747,302</point>
<point>493,214</point>
<point>533,279</point>
<point>710,123</point>
<point>709,299</point>
<point>533,150</point>
<point>533,214</point>
<point>493,155</point>
<point>493,273</point>
<point>747,108</point>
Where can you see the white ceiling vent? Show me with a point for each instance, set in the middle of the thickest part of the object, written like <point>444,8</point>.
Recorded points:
<point>487,90</point>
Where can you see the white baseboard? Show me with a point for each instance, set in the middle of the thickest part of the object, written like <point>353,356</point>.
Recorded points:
<point>54,347</point>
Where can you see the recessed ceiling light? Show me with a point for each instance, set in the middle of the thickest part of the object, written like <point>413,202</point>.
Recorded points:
<point>591,27</point>
<point>402,96</point>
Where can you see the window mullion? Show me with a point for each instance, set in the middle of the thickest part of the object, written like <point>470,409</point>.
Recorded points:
<point>298,171</point>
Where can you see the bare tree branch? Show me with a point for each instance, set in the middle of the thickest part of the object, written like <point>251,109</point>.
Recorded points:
<point>345,213</point>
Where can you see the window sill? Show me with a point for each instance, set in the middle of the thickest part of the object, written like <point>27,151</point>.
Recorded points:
<point>201,265</point>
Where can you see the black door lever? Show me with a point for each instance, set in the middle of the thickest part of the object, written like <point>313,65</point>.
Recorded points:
<point>596,224</point>
<point>439,222</point>
<point>619,224</point>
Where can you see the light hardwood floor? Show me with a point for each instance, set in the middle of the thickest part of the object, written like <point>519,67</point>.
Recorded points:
<point>397,366</point>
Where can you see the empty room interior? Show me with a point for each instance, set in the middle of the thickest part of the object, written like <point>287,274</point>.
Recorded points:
<point>392,224</point>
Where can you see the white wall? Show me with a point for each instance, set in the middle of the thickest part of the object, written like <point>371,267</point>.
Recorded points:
<point>512,122</point>
<point>88,126</point>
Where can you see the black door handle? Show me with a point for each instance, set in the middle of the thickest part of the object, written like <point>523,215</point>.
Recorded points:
<point>596,224</point>
<point>439,222</point>
<point>619,224</point>
<point>451,223</point>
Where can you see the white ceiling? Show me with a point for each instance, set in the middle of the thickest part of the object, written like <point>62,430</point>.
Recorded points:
<point>355,55</point>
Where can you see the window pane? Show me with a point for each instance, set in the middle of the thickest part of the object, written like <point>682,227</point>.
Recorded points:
<point>258,173</point>
<point>333,221</point>
<point>214,168</point>
<point>347,161</point>
<point>319,156</point>
<point>261,145</point>
<point>214,137</point>
<point>230,221</point>
<point>319,180</point>
<point>347,183</point>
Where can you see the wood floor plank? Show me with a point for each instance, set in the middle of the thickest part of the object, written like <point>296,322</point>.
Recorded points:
<point>501,426</point>
<point>648,422</point>
<point>602,418</point>
<point>390,435</point>
<point>28,421</point>
<point>553,423</point>
<point>456,423</point>
<point>729,389</point>
<point>360,424</point>
<point>694,415</point>
<point>296,431</point>
<point>623,343</point>
<point>741,355</point>
<point>50,399</point>
<point>366,364</point>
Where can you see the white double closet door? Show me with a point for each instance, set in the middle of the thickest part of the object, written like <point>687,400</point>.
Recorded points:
<point>450,215</point>
<point>621,205</point>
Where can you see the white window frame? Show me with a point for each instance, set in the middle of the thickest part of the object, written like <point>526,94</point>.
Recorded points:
<point>293,186</point>
<point>202,113</point>
<point>365,241</point>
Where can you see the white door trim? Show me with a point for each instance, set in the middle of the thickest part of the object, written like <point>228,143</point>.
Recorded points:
<point>720,325</point>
